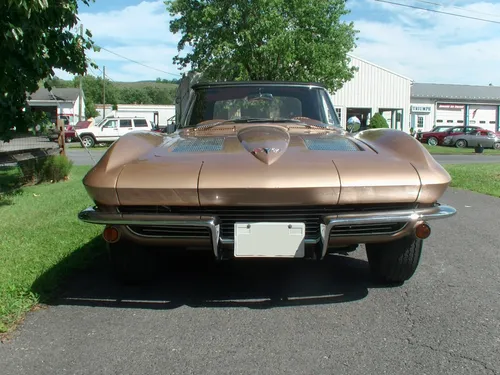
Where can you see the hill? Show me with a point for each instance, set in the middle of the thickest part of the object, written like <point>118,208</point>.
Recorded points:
<point>160,91</point>
<point>142,84</point>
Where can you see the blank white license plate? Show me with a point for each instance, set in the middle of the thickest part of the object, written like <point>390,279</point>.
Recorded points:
<point>269,240</point>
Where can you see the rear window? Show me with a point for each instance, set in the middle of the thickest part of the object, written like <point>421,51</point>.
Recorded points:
<point>140,123</point>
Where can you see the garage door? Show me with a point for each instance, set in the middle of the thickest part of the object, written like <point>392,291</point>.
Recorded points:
<point>483,116</point>
<point>450,114</point>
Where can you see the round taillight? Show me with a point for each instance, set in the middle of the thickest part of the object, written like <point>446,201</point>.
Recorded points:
<point>422,231</point>
<point>111,234</point>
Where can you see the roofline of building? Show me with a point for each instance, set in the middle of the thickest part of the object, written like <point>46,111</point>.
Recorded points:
<point>380,67</point>
<point>456,101</point>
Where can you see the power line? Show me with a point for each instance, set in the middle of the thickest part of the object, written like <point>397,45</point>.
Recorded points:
<point>439,11</point>
<point>137,62</point>
<point>93,71</point>
<point>106,75</point>
<point>459,8</point>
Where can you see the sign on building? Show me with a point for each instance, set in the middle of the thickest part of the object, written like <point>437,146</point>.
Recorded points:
<point>450,106</point>
<point>420,108</point>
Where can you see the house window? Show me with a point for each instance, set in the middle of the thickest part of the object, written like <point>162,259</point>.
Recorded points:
<point>449,121</point>
<point>339,113</point>
<point>420,121</point>
<point>440,121</point>
<point>460,121</point>
<point>472,121</point>
<point>493,122</point>
<point>482,122</point>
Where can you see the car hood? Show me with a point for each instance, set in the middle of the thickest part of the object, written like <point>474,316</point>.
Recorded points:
<point>266,164</point>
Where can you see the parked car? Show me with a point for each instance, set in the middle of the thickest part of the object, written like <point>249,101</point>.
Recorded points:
<point>264,169</point>
<point>425,136</point>
<point>83,124</point>
<point>112,128</point>
<point>69,134</point>
<point>485,138</point>
<point>435,138</point>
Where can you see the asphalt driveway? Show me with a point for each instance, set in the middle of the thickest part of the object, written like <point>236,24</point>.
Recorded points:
<point>277,317</point>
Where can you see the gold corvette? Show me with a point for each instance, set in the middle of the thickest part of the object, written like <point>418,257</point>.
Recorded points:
<point>264,169</point>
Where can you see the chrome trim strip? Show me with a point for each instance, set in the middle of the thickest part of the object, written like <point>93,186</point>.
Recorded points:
<point>415,215</point>
<point>92,216</point>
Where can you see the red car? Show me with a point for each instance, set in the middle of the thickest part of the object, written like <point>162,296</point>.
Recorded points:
<point>69,131</point>
<point>439,133</point>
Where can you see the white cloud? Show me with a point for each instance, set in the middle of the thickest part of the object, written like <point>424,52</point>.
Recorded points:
<point>434,47</point>
<point>138,32</point>
<point>146,22</point>
<point>425,46</point>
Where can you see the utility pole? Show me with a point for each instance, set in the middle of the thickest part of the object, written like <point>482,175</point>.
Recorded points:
<point>80,104</point>
<point>103,91</point>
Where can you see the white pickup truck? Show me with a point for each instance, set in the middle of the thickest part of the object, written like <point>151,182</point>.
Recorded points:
<point>112,128</point>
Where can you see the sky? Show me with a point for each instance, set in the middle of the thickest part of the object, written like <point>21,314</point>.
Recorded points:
<point>423,45</point>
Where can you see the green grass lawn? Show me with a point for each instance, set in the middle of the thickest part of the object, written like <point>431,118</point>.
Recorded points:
<point>481,178</point>
<point>41,241</point>
<point>457,151</point>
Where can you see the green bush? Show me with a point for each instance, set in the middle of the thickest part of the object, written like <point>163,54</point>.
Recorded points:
<point>49,169</point>
<point>378,121</point>
<point>55,168</point>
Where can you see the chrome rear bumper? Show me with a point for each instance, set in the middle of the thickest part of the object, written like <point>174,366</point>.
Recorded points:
<point>93,216</point>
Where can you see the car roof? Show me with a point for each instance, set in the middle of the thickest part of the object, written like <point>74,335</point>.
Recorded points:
<point>255,83</point>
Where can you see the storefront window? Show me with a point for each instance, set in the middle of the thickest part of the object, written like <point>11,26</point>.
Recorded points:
<point>420,121</point>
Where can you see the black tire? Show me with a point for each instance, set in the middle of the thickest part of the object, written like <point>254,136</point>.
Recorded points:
<point>131,263</point>
<point>87,140</point>
<point>395,261</point>
<point>461,143</point>
<point>496,146</point>
<point>432,141</point>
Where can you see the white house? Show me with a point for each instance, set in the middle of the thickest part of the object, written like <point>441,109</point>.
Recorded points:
<point>374,89</point>
<point>59,103</point>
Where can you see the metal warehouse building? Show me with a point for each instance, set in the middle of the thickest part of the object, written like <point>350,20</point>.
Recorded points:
<point>374,89</point>
<point>454,105</point>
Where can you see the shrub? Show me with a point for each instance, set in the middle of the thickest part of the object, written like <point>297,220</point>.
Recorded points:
<point>378,121</point>
<point>50,169</point>
<point>55,168</point>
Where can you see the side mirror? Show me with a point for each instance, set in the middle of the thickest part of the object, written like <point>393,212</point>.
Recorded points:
<point>353,127</point>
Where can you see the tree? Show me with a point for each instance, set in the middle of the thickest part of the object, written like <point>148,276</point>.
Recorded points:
<point>56,82</point>
<point>378,121</point>
<point>92,88</point>
<point>90,110</point>
<point>35,37</point>
<point>299,40</point>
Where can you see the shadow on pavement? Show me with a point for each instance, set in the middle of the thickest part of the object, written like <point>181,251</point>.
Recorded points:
<point>194,279</point>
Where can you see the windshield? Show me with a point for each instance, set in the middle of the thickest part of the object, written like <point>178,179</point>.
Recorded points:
<point>274,102</point>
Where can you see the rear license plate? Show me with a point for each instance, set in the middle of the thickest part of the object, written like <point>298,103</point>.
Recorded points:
<point>269,240</point>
